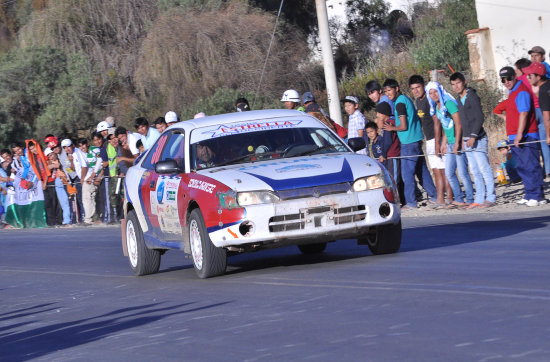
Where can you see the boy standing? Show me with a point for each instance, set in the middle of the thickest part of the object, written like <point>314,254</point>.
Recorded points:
<point>409,131</point>
<point>356,122</point>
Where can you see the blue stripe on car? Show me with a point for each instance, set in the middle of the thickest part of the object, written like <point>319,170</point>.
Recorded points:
<point>344,175</point>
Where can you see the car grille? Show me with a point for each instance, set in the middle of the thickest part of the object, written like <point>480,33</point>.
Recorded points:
<point>316,191</point>
<point>317,217</point>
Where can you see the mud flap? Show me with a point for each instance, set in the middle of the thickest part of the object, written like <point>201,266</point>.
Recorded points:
<point>123,233</point>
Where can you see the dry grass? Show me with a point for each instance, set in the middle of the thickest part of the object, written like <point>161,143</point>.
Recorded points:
<point>186,57</point>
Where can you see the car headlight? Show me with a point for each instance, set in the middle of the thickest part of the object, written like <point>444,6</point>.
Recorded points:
<point>256,197</point>
<point>369,183</point>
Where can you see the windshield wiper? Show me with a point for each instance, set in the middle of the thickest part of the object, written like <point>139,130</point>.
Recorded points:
<point>309,152</point>
<point>236,159</point>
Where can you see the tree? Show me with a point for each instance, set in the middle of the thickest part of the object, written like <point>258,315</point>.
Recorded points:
<point>439,33</point>
<point>45,90</point>
<point>189,55</point>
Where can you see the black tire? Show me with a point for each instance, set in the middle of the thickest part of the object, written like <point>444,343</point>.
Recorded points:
<point>386,240</point>
<point>309,249</point>
<point>208,260</point>
<point>142,260</point>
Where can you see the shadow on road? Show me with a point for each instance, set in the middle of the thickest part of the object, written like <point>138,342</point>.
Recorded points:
<point>38,342</point>
<point>416,238</point>
<point>438,236</point>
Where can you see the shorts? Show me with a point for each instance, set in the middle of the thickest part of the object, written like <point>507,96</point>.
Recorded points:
<point>433,160</point>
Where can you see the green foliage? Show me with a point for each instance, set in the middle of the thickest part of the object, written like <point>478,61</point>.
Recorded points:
<point>164,5</point>
<point>27,81</point>
<point>223,101</point>
<point>366,14</point>
<point>49,91</point>
<point>12,131</point>
<point>439,33</point>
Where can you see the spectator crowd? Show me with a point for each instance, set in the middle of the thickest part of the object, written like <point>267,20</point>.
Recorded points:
<point>61,182</point>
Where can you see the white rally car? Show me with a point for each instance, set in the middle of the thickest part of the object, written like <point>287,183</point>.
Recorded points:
<point>246,181</point>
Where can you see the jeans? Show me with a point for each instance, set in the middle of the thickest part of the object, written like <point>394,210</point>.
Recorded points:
<point>527,159</point>
<point>452,164</point>
<point>63,199</point>
<point>543,145</point>
<point>480,168</point>
<point>408,167</point>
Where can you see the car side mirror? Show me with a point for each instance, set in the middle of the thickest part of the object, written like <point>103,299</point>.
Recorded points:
<point>357,143</point>
<point>167,167</point>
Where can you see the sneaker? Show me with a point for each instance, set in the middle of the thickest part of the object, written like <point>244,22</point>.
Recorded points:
<point>532,203</point>
<point>522,202</point>
<point>542,202</point>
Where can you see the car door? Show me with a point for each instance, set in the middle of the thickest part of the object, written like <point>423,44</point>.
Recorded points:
<point>167,198</point>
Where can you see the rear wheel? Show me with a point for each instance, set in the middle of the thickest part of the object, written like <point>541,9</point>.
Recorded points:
<point>208,260</point>
<point>143,261</point>
<point>312,248</point>
<point>386,239</point>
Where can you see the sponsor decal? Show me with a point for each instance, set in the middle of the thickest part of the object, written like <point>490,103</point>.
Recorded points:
<point>322,158</point>
<point>201,185</point>
<point>297,168</point>
<point>160,192</point>
<point>229,129</point>
<point>171,195</point>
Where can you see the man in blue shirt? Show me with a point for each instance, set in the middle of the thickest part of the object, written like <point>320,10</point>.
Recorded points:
<point>409,131</point>
<point>148,134</point>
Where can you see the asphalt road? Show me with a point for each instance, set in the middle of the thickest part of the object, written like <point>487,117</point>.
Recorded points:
<point>462,288</point>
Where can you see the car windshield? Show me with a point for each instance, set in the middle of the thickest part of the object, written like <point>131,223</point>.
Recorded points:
<point>261,145</point>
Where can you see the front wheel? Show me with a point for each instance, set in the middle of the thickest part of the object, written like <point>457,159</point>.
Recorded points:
<point>386,239</point>
<point>208,260</point>
<point>143,260</point>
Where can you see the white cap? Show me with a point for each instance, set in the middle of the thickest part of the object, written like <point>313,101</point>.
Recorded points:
<point>66,142</point>
<point>47,151</point>
<point>199,115</point>
<point>171,117</point>
<point>103,126</point>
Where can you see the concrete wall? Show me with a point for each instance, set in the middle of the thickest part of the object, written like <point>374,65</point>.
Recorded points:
<point>514,27</point>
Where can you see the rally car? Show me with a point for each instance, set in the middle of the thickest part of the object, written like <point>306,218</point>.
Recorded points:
<point>247,181</point>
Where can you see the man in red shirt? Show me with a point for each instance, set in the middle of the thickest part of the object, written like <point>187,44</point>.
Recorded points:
<point>522,131</point>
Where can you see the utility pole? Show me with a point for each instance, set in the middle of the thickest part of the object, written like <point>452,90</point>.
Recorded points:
<point>328,63</point>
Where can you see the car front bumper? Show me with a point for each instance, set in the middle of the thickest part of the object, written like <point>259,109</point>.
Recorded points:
<point>345,215</point>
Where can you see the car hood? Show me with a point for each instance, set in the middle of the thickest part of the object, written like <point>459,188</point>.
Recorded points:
<point>294,173</point>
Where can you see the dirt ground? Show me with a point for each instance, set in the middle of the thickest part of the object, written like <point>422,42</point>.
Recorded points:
<point>507,196</point>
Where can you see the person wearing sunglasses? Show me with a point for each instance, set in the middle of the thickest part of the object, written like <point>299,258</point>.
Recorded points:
<point>522,131</point>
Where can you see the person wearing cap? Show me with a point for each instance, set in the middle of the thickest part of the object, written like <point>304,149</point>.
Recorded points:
<point>90,171</point>
<point>474,139</point>
<point>170,117</point>
<point>509,164</point>
<point>241,104</point>
<point>537,54</point>
<point>356,121</point>
<point>148,134</point>
<point>431,127</point>
<point>310,105</point>
<point>536,74</point>
<point>384,114</point>
<point>103,205</point>
<point>521,127</point>
<point>60,179</point>
<point>103,128</point>
<point>409,131</point>
<point>291,100</point>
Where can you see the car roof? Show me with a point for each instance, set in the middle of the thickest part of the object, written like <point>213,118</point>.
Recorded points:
<point>237,117</point>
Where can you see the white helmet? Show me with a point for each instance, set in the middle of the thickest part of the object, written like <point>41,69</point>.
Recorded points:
<point>291,96</point>
<point>102,126</point>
